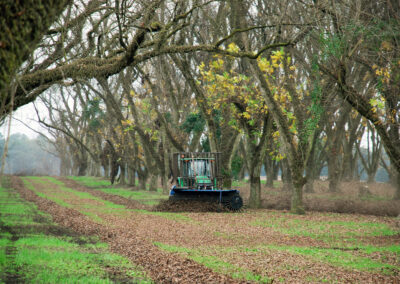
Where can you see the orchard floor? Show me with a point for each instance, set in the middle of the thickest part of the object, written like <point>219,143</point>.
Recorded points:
<point>223,247</point>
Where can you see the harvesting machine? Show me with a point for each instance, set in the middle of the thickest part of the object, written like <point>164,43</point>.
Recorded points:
<point>197,177</point>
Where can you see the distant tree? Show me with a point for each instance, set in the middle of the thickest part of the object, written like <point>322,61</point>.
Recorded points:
<point>30,156</point>
<point>361,55</point>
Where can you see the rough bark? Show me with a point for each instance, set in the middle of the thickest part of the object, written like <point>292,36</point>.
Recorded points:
<point>22,26</point>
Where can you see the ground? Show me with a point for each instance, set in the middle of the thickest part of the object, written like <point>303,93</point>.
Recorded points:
<point>144,245</point>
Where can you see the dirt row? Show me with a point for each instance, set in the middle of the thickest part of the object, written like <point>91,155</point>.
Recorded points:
<point>161,266</point>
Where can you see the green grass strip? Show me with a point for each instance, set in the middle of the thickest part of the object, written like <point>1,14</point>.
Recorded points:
<point>15,213</point>
<point>329,231</point>
<point>341,258</point>
<point>28,184</point>
<point>48,181</point>
<point>215,264</point>
<point>84,195</point>
<point>91,181</point>
<point>40,258</point>
<point>142,196</point>
<point>43,265</point>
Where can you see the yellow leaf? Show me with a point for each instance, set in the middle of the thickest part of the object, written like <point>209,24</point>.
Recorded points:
<point>232,47</point>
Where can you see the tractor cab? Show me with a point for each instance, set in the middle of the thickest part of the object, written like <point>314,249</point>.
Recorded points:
<point>196,172</point>
<point>197,177</point>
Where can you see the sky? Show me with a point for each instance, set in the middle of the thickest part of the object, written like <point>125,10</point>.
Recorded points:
<point>26,114</point>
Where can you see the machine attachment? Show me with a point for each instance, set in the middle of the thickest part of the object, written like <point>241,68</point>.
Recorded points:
<point>197,177</point>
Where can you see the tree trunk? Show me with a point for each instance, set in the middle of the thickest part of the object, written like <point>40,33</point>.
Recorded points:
<point>286,176</point>
<point>166,169</point>
<point>333,171</point>
<point>397,193</point>
<point>354,168</point>
<point>97,171</point>
<point>297,191</point>
<point>242,172</point>
<point>82,167</point>
<point>131,176</point>
<point>297,199</point>
<point>65,166</point>
<point>142,182</point>
<point>255,191</point>
<point>269,171</point>
<point>226,170</point>
<point>122,175</point>
<point>356,174</point>
<point>106,168</point>
<point>153,182</point>
<point>348,164</point>
<point>311,164</point>
<point>371,177</point>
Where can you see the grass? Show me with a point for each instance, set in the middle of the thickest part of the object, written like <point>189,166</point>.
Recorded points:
<point>41,258</point>
<point>335,257</point>
<point>215,263</point>
<point>142,196</point>
<point>66,262</point>
<point>99,182</point>
<point>15,213</point>
<point>341,258</point>
<point>85,195</point>
<point>91,181</point>
<point>28,184</point>
<point>331,231</point>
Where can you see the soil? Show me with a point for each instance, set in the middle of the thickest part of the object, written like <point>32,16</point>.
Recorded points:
<point>133,235</point>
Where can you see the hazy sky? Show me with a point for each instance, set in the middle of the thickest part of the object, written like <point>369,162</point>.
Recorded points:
<point>25,113</point>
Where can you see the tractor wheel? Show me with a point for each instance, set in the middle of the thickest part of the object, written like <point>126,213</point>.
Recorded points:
<point>234,203</point>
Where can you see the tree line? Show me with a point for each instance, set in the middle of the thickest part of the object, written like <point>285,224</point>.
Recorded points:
<point>26,156</point>
<point>291,85</point>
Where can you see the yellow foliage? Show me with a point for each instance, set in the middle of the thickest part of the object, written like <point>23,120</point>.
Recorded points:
<point>246,115</point>
<point>277,56</point>
<point>232,47</point>
<point>225,87</point>
<point>276,134</point>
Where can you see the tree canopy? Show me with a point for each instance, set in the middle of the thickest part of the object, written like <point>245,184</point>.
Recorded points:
<point>293,84</point>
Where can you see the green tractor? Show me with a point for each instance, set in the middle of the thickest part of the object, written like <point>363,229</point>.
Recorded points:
<point>197,177</point>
